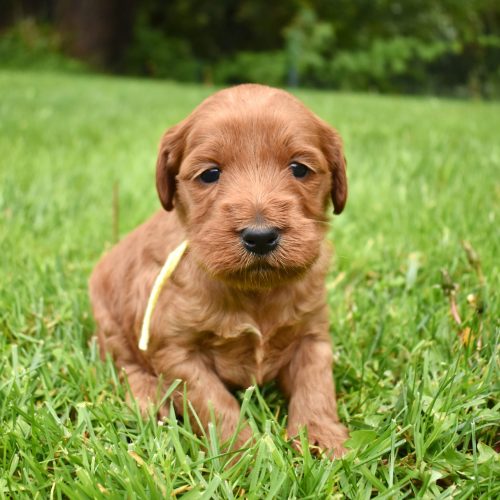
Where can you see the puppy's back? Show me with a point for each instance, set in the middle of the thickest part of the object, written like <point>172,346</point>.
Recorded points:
<point>119,283</point>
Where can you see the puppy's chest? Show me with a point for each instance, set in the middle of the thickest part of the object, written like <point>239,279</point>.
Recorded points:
<point>244,352</point>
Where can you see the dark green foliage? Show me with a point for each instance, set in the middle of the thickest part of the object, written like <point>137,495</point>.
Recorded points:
<point>160,56</point>
<point>255,67</point>
<point>416,46</point>
<point>411,46</point>
<point>31,45</point>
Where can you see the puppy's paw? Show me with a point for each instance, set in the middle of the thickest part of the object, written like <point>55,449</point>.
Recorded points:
<point>234,445</point>
<point>146,391</point>
<point>147,407</point>
<point>326,437</point>
<point>244,437</point>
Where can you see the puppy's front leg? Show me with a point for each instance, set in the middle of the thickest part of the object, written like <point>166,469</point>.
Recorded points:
<point>206,393</point>
<point>308,381</point>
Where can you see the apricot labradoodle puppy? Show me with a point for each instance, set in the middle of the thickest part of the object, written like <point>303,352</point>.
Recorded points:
<point>246,179</point>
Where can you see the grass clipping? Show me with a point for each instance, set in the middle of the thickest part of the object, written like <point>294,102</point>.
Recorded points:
<point>168,268</point>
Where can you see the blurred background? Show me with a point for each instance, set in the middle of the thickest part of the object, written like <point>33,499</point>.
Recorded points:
<point>445,47</point>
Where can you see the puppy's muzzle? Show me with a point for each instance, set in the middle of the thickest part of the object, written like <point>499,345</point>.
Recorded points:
<point>260,240</point>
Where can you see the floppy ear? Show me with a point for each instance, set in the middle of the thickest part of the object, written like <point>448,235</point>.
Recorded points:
<point>334,153</point>
<point>169,161</point>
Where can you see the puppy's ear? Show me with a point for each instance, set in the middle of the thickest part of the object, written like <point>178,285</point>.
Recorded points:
<point>169,160</point>
<point>334,153</point>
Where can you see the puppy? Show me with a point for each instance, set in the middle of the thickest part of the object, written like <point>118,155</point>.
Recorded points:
<point>247,179</point>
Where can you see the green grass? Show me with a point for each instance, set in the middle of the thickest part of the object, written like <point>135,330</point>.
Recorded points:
<point>422,404</point>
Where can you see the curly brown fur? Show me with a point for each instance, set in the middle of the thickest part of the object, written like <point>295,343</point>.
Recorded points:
<point>228,317</point>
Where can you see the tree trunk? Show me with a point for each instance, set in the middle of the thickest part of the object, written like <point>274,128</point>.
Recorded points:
<point>96,31</point>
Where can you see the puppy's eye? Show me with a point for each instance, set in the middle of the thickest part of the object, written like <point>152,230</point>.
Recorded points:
<point>299,170</point>
<point>210,176</point>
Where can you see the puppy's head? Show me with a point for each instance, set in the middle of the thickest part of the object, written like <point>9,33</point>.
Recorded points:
<point>251,172</point>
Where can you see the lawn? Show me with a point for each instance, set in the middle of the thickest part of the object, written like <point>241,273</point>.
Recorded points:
<point>413,293</point>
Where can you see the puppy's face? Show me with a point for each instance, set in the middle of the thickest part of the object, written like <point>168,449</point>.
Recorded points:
<point>251,172</point>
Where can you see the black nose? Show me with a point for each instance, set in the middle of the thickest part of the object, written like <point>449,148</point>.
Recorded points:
<point>260,240</point>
